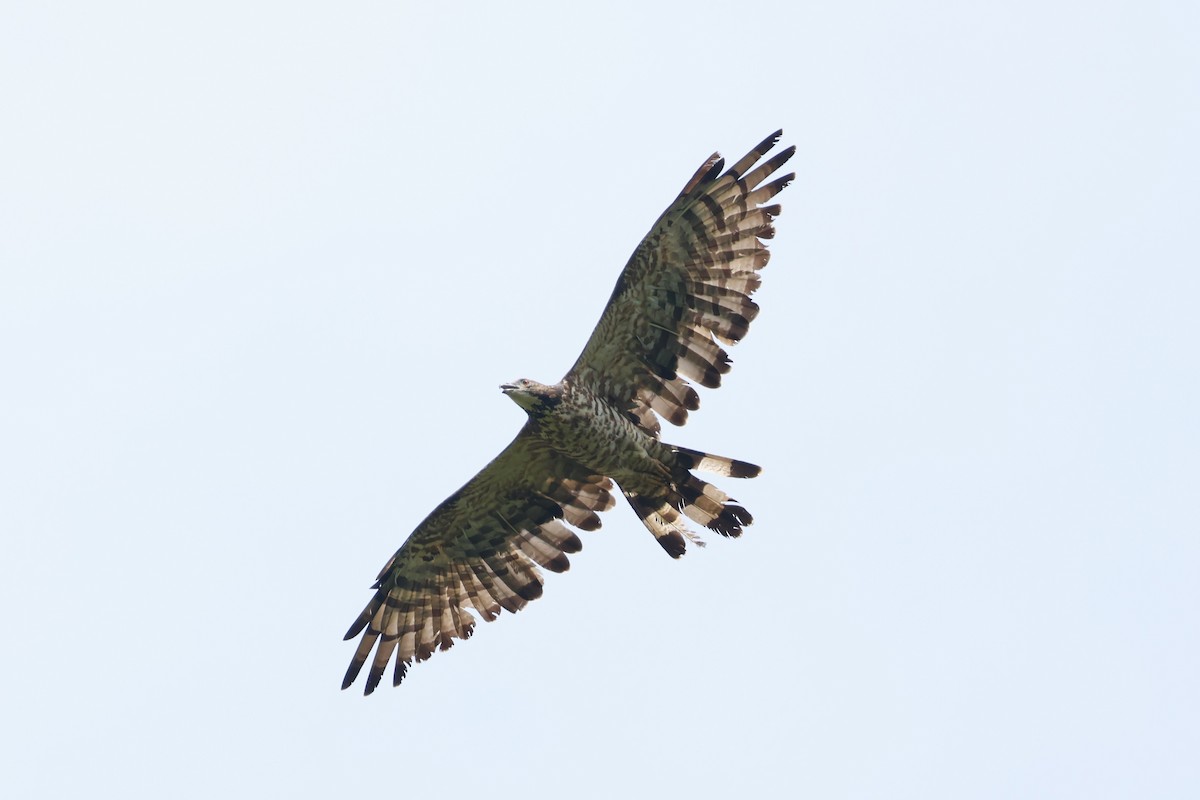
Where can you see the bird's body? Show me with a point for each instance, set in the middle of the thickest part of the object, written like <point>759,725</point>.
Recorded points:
<point>654,476</point>
<point>684,293</point>
<point>583,426</point>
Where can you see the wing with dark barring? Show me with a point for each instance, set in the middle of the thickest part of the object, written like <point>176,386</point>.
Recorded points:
<point>686,291</point>
<point>479,551</point>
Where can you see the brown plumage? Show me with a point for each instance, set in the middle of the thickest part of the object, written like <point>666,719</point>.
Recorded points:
<point>684,293</point>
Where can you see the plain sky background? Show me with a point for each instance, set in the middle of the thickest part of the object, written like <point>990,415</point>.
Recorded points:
<point>263,266</point>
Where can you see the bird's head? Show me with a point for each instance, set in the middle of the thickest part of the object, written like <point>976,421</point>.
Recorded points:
<point>536,398</point>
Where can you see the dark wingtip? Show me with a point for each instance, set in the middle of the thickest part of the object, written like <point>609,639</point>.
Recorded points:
<point>530,591</point>
<point>708,170</point>
<point>718,164</point>
<point>351,674</point>
<point>588,522</point>
<point>361,621</point>
<point>769,142</point>
<point>401,671</point>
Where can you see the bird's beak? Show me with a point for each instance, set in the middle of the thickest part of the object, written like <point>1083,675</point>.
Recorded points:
<point>507,387</point>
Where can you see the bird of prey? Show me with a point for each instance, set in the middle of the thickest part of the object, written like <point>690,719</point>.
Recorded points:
<point>684,293</point>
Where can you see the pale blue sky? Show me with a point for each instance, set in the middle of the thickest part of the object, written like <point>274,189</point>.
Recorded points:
<point>262,267</point>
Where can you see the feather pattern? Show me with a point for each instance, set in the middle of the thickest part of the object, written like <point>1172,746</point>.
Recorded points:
<point>686,291</point>
<point>479,551</point>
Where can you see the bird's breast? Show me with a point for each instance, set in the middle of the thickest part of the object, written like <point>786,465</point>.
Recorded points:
<point>598,436</point>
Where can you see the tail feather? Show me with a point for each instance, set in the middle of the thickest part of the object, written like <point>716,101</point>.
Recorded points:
<point>662,520</point>
<point>712,508</point>
<point>698,501</point>
<point>718,465</point>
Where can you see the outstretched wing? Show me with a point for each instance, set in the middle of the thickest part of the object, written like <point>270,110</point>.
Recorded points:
<point>478,551</point>
<point>689,280</point>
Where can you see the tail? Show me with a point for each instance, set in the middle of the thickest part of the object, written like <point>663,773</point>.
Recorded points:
<point>699,501</point>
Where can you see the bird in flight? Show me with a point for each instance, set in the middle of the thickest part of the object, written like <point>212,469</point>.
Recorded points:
<point>683,295</point>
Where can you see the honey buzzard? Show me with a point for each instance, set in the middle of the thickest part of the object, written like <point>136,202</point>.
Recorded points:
<point>684,293</point>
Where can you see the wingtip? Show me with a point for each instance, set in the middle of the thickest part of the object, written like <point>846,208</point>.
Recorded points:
<point>708,170</point>
<point>355,628</point>
<point>770,141</point>
<point>356,665</point>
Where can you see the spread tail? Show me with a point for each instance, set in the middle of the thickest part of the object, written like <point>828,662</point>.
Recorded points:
<point>698,500</point>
